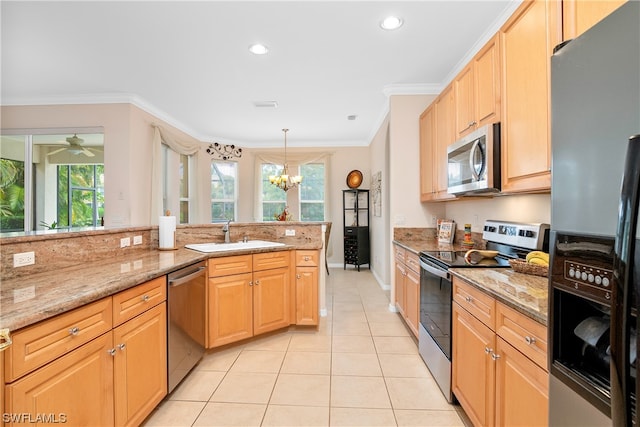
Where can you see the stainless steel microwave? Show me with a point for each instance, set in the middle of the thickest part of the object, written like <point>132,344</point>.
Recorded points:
<point>474,162</point>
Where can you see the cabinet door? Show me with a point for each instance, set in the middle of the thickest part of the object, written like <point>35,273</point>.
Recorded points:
<point>270,300</point>
<point>230,309</point>
<point>306,295</point>
<point>487,83</point>
<point>140,365</point>
<point>400,287</point>
<point>580,15</point>
<point>77,387</point>
<point>427,153</point>
<point>412,300</point>
<point>522,389</point>
<point>445,135</point>
<point>473,370</point>
<point>464,101</point>
<point>527,40</point>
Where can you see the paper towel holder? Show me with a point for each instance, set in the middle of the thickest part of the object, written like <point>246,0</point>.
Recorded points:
<point>162,230</point>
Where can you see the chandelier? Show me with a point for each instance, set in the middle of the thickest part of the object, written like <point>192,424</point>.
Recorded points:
<point>285,181</point>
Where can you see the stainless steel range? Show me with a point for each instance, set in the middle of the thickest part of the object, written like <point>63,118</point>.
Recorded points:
<point>510,240</point>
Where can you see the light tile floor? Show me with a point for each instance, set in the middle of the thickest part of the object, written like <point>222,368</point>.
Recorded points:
<point>360,367</point>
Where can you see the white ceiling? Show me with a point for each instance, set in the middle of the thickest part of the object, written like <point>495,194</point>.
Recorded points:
<point>188,62</point>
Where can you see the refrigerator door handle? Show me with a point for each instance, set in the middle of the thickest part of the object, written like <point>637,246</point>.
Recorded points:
<point>623,264</point>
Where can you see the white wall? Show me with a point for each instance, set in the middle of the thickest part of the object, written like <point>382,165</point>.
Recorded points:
<point>379,230</point>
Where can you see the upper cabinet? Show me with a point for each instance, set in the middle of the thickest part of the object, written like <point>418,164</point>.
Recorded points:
<point>445,111</point>
<point>477,90</point>
<point>427,149</point>
<point>580,15</point>
<point>527,40</point>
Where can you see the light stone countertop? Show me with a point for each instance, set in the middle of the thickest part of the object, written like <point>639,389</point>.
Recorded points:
<point>30,299</point>
<point>525,293</point>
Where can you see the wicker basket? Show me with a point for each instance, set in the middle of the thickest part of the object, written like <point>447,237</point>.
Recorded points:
<point>527,268</point>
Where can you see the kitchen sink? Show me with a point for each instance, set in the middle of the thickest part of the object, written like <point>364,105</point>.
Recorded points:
<point>234,246</point>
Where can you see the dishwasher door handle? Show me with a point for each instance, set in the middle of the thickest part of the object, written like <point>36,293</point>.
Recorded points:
<point>184,279</point>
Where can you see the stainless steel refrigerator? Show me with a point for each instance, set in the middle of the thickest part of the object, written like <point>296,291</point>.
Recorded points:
<point>595,108</point>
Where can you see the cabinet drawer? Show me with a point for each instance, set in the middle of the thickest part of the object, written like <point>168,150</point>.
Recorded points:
<point>412,261</point>
<point>229,265</point>
<point>399,253</point>
<point>269,260</point>
<point>41,343</point>
<point>523,333</point>
<point>307,258</point>
<point>132,302</point>
<point>476,302</point>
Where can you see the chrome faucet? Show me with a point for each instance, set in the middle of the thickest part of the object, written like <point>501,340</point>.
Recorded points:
<point>225,228</point>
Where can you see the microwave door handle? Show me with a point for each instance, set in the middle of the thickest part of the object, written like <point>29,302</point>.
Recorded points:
<point>472,154</point>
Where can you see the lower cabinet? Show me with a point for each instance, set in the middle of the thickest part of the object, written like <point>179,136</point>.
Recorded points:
<point>248,295</point>
<point>499,362</point>
<point>407,280</point>
<point>306,287</point>
<point>112,377</point>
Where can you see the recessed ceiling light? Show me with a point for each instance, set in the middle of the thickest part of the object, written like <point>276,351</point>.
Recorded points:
<point>258,49</point>
<point>391,23</point>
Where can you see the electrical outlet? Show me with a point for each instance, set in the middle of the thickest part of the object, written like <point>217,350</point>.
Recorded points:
<point>124,242</point>
<point>288,232</point>
<point>24,258</point>
<point>434,220</point>
<point>137,240</point>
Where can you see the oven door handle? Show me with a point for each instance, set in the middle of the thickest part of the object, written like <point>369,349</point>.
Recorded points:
<point>425,265</point>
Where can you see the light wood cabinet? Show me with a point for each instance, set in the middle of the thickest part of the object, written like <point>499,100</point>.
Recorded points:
<point>527,40</point>
<point>445,134</point>
<point>248,295</point>
<point>306,287</point>
<point>580,15</point>
<point>75,366</point>
<point>477,90</point>
<point>407,282</point>
<point>140,365</point>
<point>499,361</point>
<point>427,153</point>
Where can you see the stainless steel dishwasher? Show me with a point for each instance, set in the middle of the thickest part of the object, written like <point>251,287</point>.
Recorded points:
<point>186,317</point>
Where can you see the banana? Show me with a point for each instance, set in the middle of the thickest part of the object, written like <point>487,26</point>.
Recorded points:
<point>538,261</point>
<point>538,254</point>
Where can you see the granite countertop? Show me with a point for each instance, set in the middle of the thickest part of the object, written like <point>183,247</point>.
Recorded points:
<point>525,293</point>
<point>27,300</point>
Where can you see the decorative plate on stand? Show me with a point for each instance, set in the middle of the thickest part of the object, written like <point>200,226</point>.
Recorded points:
<point>354,179</point>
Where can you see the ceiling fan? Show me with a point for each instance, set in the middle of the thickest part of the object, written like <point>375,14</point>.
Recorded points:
<point>75,147</point>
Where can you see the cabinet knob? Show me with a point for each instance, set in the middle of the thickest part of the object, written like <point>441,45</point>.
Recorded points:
<point>530,340</point>
<point>145,298</point>
<point>122,346</point>
<point>468,299</point>
<point>257,282</point>
<point>250,283</point>
<point>307,258</point>
<point>298,276</point>
<point>495,356</point>
<point>74,331</point>
<point>111,352</point>
<point>488,350</point>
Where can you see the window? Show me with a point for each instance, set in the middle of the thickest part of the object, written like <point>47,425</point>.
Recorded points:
<point>312,192</point>
<point>177,185</point>
<point>305,203</point>
<point>51,180</point>
<point>274,200</point>
<point>224,179</point>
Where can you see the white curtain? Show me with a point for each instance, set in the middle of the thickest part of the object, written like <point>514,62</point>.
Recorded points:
<point>188,148</point>
<point>293,160</point>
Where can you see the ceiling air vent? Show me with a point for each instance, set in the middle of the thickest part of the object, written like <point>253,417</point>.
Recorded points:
<point>265,104</point>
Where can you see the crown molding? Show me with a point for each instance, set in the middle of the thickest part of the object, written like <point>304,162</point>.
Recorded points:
<point>412,89</point>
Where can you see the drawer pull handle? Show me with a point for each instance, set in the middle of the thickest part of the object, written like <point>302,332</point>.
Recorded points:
<point>530,340</point>
<point>145,298</point>
<point>122,346</point>
<point>306,258</point>
<point>74,331</point>
<point>495,356</point>
<point>111,352</point>
<point>488,350</point>
<point>5,339</point>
